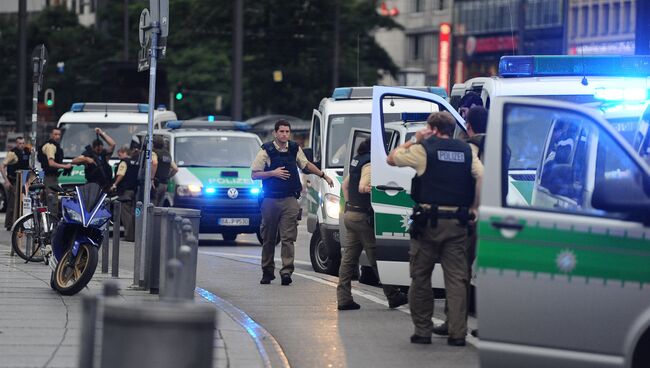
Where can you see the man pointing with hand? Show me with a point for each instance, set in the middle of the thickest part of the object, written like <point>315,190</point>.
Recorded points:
<point>276,164</point>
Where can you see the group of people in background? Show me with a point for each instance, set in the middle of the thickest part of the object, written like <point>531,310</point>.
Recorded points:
<point>124,180</point>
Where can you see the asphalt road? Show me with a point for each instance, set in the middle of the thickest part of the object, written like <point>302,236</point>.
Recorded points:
<point>303,317</point>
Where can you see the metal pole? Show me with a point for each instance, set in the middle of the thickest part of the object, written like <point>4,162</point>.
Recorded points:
<point>238,51</point>
<point>137,246</point>
<point>117,208</point>
<point>521,27</point>
<point>335,58</point>
<point>32,134</point>
<point>105,250</point>
<point>126,30</point>
<point>152,101</point>
<point>22,66</point>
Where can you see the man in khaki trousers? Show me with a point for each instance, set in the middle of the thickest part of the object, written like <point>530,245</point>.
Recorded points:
<point>276,164</point>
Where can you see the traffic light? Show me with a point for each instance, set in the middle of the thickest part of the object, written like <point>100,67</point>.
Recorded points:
<point>179,92</point>
<point>179,96</point>
<point>49,97</point>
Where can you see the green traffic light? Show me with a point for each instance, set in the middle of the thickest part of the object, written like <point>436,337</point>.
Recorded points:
<point>179,96</point>
<point>50,102</point>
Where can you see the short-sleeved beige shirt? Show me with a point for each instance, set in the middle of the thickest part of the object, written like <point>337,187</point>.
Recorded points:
<point>49,150</point>
<point>366,174</point>
<point>154,160</point>
<point>10,159</point>
<point>121,169</point>
<point>416,157</point>
<point>262,159</point>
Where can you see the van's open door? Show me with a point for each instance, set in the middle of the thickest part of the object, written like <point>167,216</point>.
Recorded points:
<point>391,188</point>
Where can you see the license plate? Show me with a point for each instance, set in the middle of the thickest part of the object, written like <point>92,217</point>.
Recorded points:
<point>233,221</point>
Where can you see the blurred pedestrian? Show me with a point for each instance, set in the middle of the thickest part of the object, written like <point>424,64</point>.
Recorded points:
<point>50,155</point>
<point>17,159</point>
<point>445,190</point>
<point>359,223</point>
<point>126,182</point>
<point>276,164</point>
<point>163,168</point>
<point>96,158</point>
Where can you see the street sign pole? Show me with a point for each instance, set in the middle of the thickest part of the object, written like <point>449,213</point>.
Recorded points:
<point>39,59</point>
<point>155,30</point>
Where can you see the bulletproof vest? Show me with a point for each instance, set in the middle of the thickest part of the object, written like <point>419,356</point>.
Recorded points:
<point>447,180</point>
<point>101,172</point>
<point>479,141</point>
<point>58,158</point>
<point>164,165</point>
<point>354,197</point>
<point>275,187</point>
<point>130,180</point>
<point>21,164</point>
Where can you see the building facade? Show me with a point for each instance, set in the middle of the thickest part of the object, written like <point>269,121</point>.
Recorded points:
<point>416,49</point>
<point>85,9</point>
<point>601,27</point>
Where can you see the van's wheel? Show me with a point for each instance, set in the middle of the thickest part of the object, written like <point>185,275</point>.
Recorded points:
<point>229,237</point>
<point>321,259</point>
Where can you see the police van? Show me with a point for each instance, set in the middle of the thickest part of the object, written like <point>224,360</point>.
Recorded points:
<point>331,124</point>
<point>563,278</point>
<point>119,120</point>
<point>214,175</point>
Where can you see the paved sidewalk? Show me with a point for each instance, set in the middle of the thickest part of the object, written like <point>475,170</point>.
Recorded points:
<point>40,328</point>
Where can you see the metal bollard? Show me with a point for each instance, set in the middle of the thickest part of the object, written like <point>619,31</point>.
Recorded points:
<point>117,207</point>
<point>173,281</point>
<point>146,254</point>
<point>105,250</point>
<point>137,248</point>
<point>88,324</point>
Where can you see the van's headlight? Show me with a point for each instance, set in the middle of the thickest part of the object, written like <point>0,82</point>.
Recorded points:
<point>188,190</point>
<point>332,206</point>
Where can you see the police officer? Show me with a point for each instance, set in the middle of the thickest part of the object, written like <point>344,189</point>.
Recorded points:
<point>360,235</point>
<point>276,164</point>
<point>17,159</point>
<point>445,190</point>
<point>163,168</point>
<point>476,124</point>
<point>96,160</point>
<point>50,155</point>
<point>126,183</point>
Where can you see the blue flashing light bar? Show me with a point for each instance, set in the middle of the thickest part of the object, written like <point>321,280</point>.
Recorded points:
<point>414,116</point>
<point>621,94</point>
<point>255,190</point>
<point>143,108</point>
<point>210,117</point>
<point>440,91</point>
<point>173,124</point>
<point>342,93</point>
<point>570,65</point>
<point>210,190</point>
<point>77,107</point>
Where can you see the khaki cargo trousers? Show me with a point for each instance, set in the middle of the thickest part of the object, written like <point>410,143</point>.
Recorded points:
<point>446,243</point>
<point>279,214</point>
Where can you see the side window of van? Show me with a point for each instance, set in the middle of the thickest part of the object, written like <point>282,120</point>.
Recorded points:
<point>316,138</point>
<point>557,159</point>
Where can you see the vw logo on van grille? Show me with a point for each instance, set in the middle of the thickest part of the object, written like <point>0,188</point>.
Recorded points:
<point>233,193</point>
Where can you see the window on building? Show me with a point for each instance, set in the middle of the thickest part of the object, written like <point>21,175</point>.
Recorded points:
<point>616,20</point>
<point>416,46</point>
<point>605,28</point>
<point>627,17</point>
<point>585,21</point>
<point>574,22</point>
<point>418,6</point>
<point>442,4</point>
<point>93,4</point>
<point>595,13</point>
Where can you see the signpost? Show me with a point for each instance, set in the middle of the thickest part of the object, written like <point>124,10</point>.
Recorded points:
<point>154,25</point>
<point>39,60</point>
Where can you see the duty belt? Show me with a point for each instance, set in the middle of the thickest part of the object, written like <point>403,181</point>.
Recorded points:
<point>422,217</point>
<point>352,208</point>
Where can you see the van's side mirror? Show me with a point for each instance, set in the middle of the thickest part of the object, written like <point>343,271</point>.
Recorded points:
<point>309,153</point>
<point>622,195</point>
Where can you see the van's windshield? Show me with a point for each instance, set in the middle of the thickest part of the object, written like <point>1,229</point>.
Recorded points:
<point>76,136</point>
<point>215,151</point>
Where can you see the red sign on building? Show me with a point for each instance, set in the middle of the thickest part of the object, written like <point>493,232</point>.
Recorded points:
<point>444,50</point>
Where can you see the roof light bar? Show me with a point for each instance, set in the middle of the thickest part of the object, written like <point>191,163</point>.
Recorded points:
<point>571,65</point>
<point>202,124</point>
<point>414,116</point>
<point>109,107</point>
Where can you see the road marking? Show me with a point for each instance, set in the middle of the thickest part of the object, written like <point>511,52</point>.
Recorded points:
<point>469,338</point>
<point>259,334</point>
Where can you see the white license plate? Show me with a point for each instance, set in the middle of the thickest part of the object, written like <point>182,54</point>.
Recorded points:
<point>233,221</point>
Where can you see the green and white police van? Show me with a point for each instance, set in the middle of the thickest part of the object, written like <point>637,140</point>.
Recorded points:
<point>119,120</point>
<point>214,175</point>
<point>563,280</point>
<point>331,124</point>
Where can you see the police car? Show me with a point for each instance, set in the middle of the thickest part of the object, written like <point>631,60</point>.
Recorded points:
<point>332,122</point>
<point>119,120</point>
<point>563,278</point>
<point>214,174</point>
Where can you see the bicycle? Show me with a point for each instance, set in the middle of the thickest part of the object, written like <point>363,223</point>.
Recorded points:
<point>31,232</point>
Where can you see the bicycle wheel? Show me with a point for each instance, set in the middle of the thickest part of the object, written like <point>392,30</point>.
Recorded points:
<point>23,238</point>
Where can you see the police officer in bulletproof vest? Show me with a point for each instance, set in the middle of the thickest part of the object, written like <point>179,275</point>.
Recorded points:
<point>50,155</point>
<point>96,160</point>
<point>163,168</point>
<point>276,164</point>
<point>358,219</point>
<point>126,183</point>
<point>17,159</point>
<point>445,190</point>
